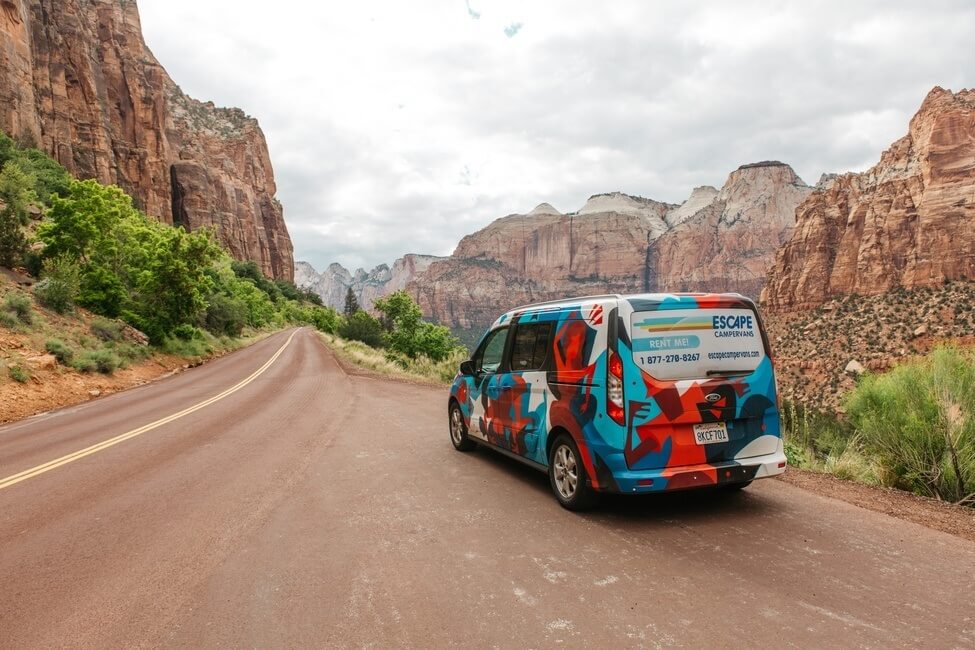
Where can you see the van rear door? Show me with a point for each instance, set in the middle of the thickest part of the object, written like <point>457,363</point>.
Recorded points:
<point>699,382</point>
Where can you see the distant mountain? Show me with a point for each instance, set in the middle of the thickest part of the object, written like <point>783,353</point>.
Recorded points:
<point>333,283</point>
<point>716,240</point>
<point>909,221</point>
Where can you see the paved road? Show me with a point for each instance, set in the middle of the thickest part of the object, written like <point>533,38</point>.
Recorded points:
<point>309,508</point>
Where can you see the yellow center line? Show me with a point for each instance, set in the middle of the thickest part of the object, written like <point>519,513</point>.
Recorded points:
<point>111,442</point>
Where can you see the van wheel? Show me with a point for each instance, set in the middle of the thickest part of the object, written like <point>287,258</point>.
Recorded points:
<point>567,476</point>
<point>458,430</point>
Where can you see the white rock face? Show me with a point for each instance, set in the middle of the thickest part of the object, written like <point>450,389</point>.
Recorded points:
<point>333,283</point>
<point>766,192</point>
<point>635,206</point>
<point>699,199</point>
<point>543,208</point>
<point>305,275</point>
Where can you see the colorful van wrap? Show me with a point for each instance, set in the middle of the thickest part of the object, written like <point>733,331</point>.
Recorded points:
<point>699,404</point>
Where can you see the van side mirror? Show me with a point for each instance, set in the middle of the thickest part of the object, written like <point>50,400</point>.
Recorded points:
<point>467,368</point>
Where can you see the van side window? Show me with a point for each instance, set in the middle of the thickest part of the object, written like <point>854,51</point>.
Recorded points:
<point>529,349</point>
<point>488,356</point>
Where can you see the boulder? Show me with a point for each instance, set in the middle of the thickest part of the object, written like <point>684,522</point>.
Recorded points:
<point>43,362</point>
<point>132,335</point>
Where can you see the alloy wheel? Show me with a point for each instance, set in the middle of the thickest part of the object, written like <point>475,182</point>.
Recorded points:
<point>566,472</point>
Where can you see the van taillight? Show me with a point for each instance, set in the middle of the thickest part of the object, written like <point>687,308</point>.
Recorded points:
<point>614,388</point>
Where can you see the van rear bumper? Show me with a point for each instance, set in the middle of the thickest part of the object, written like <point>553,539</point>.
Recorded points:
<point>689,477</point>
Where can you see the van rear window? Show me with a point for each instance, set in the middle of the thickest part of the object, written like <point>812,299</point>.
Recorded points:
<point>696,343</point>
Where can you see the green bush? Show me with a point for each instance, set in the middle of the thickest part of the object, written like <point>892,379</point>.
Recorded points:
<point>324,319</point>
<point>187,348</point>
<point>151,274</point>
<point>187,332</point>
<point>18,374</point>
<point>129,352</point>
<point>104,361</point>
<point>9,319</point>
<point>918,421</point>
<point>360,326</point>
<point>59,288</point>
<point>60,350</point>
<point>225,315</point>
<point>408,334</point>
<point>107,330</point>
<point>249,270</point>
<point>47,176</point>
<point>20,306</point>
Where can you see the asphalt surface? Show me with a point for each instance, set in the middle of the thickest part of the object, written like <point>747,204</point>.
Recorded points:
<point>310,508</point>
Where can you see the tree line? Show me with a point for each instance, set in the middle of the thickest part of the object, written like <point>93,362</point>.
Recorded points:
<point>90,246</point>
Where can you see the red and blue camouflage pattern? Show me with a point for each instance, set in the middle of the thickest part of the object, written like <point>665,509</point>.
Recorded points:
<point>655,449</point>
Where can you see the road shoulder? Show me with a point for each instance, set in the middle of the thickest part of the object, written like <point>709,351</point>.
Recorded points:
<point>931,513</point>
<point>63,387</point>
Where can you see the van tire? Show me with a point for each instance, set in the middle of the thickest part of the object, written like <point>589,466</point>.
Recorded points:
<point>564,463</point>
<point>458,430</point>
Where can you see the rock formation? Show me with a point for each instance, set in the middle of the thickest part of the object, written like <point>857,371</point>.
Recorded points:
<point>77,79</point>
<point>908,221</point>
<point>715,241</point>
<point>729,244</point>
<point>334,282</point>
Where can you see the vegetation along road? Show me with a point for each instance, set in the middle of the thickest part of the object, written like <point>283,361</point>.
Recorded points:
<point>268,499</point>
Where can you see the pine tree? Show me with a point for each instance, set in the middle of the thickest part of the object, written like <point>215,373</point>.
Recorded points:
<point>351,303</point>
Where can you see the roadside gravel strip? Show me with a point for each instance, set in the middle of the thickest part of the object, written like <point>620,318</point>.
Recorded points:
<point>925,511</point>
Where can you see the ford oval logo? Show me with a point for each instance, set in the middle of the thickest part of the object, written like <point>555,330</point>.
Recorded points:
<point>712,397</point>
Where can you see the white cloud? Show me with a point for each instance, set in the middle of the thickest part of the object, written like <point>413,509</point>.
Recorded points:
<point>399,127</point>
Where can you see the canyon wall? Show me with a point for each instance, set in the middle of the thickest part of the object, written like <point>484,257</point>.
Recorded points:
<point>716,240</point>
<point>729,243</point>
<point>77,80</point>
<point>909,221</point>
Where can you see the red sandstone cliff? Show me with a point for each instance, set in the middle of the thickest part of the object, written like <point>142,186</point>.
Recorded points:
<point>77,78</point>
<point>730,244</point>
<point>715,241</point>
<point>908,221</point>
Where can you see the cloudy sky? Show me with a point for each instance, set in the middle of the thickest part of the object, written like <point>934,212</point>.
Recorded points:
<point>399,127</point>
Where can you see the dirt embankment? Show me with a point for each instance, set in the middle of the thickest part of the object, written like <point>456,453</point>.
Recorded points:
<point>820,353</point>
<point>34,379</point>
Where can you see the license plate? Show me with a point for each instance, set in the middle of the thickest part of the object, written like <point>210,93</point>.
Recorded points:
<point>710,432</point>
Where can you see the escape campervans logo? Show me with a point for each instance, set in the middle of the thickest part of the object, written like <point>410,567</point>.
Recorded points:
<point>733,326</point>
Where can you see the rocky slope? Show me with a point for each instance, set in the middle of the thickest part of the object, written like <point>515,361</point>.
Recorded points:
<point>906,222</point>
<point>333,283</point>
<point>716,240</point>
<point>819,353</point>
<point>77,78</point>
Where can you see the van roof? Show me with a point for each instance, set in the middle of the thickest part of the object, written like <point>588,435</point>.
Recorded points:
<point>571,302</point>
